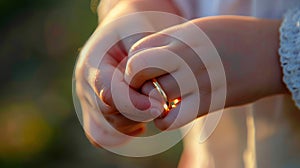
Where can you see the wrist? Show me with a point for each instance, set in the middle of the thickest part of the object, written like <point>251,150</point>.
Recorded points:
<point>274,83</point>
<point>112,9</point>
<point>248,48</point>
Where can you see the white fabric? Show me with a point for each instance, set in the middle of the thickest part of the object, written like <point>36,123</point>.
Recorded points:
<point>290,52</point>
<point>257,8</point>
<point>262,134</point>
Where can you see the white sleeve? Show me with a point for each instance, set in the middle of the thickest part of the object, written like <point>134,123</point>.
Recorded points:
<point>290,52</point>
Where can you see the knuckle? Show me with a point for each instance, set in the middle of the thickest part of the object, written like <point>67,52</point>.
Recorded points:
<point>135,65</point>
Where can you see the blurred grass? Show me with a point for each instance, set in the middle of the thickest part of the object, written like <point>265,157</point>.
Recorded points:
<point>38,49</point>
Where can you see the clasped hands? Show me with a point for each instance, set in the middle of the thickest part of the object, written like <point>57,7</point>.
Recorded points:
<point>114,74</point>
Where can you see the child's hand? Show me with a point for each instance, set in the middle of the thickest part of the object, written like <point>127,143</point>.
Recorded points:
<point>248,50</point>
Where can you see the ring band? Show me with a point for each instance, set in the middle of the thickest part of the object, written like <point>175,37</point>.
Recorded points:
<point>168,104</point>
<point>160,90</point>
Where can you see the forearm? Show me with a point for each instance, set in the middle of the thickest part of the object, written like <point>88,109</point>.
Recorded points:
<point>125,7</point>
<point>248,48</point>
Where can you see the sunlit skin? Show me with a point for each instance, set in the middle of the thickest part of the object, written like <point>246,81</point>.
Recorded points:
<point>220,30</point>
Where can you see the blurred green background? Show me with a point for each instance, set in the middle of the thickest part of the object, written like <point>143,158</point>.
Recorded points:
<point>38,125</point>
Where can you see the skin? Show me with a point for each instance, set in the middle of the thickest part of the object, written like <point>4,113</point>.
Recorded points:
<point>228,34</point>
<point>93,80</point>
<point>250,61</point>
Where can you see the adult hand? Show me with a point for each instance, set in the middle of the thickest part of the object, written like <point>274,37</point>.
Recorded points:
<point>100,70</point>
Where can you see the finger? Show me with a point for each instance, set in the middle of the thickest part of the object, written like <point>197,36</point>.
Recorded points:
<point>168,84</point>
<point>104,107</point>
<point>91,102</point>
<point>99,136</point>
<point>121,49</point>
<point>124,125</point>
<point>117,52</point>
<point>148,64</point>
<point>128,42</point>
<point>150,41</point>
<point>98,130</point>
<point>103,89</point>
<point>141,108</point>
<point>124,97</point>
<point>186,111</point>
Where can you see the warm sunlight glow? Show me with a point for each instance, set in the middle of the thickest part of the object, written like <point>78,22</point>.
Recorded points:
<point>176,101</point>
<point>166,107</point>
<point>171,104</point>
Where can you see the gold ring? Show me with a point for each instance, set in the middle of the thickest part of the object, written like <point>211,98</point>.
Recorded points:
<point>160,90</point>
<point>168,104</point>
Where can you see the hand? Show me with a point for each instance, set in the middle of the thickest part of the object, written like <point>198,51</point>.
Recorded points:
<point>100,70</point>
<point>248,50</point>
<point>94,72</point>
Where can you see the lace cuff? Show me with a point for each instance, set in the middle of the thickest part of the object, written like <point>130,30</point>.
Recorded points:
<point>290,52</point>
